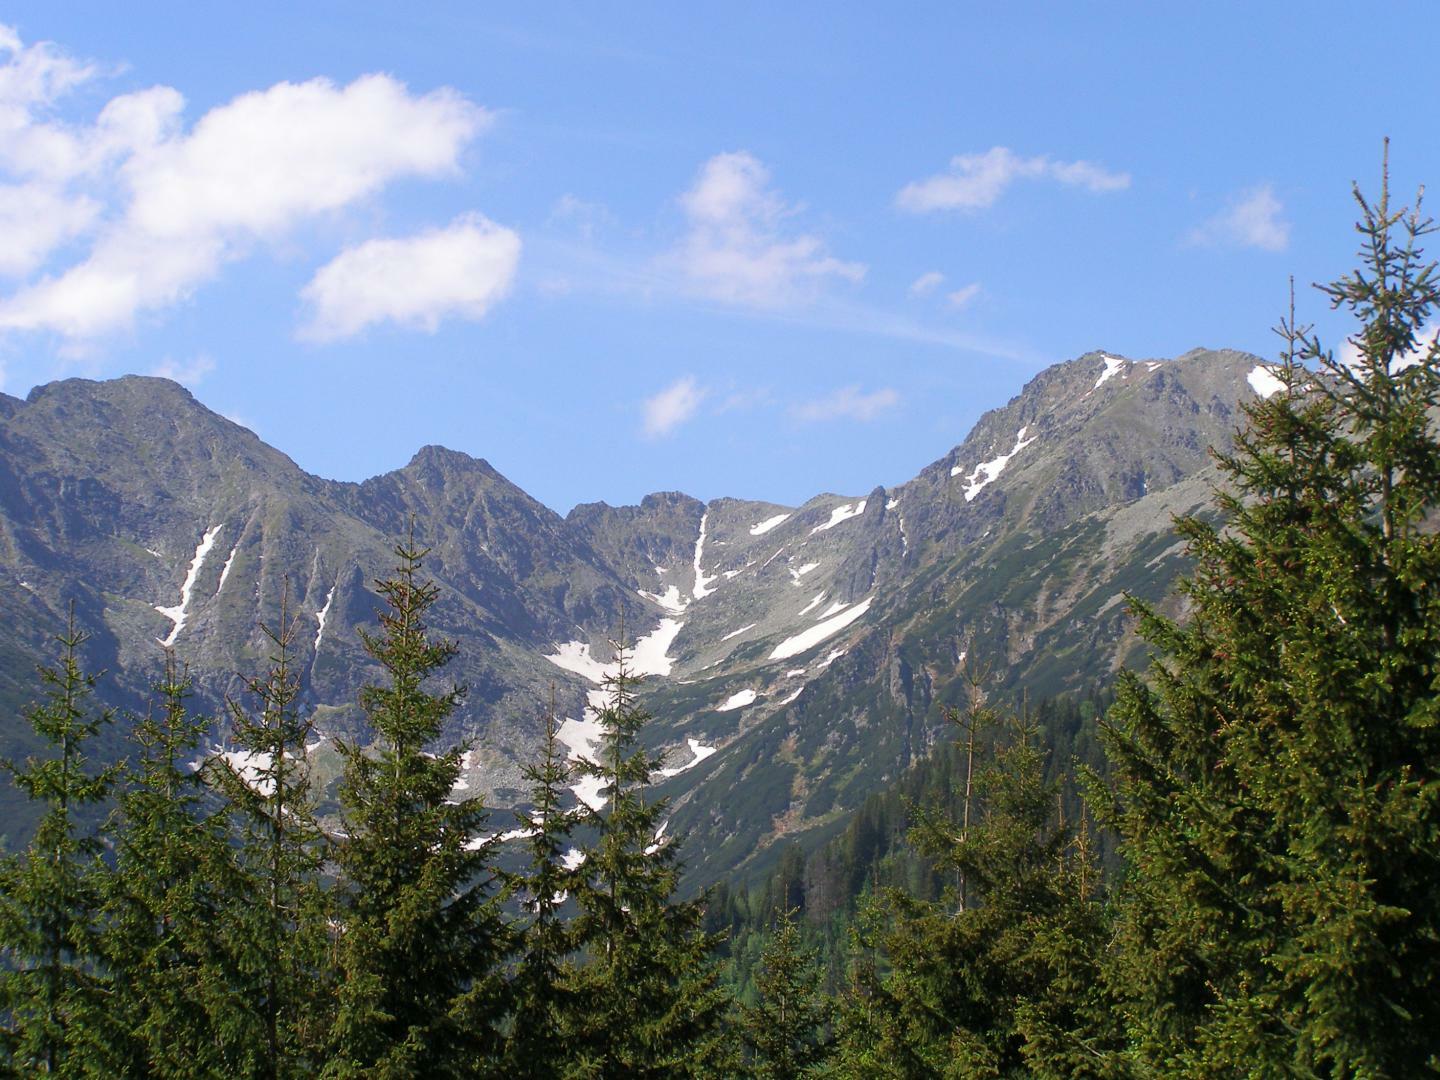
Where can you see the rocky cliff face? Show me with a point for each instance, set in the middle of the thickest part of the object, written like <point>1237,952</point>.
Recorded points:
<point>796,656</point>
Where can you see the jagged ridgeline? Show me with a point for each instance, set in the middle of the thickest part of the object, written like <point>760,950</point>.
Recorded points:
<point>797,658</point>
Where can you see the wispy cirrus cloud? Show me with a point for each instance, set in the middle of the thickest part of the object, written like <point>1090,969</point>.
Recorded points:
<point>189,373</point>
<point>927,283</point>
<point>672,407</point>
<point>1253,220</point>
<point>737,248</point>
<point>964,296</point>
<point>847,403</point>
<point>977,181</point>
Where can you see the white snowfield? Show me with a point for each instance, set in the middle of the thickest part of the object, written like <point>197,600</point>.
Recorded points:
<point>225,570</point>
<point>808,639</point>
<point>812,604</point>
<point>891,504</point>
<point>737,633</point>
<point>252,769</point>
<point>180,612</point>
<point>582,737</point>
<point>988,471</point>
<point>798,574</point>
<point>835,655</point>
<point>322,615</point>
<point>670,599</point>
<point>700,751</point>
<point>1113,365</point>
<point>737,701</point>
<point>760,528</point>
<point>787,700</point>
<point>1264,381</point>
<point>839,514</point>
<point>701,588</point>
<point>833,609</point>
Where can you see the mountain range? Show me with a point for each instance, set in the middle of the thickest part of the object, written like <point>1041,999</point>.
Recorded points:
<point>796,658</point>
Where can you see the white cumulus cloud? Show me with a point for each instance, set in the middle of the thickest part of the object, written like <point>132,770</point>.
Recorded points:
<point>848,403</point>
<point>737,249</point>
<point>976,181</point>
<point>459,271</point>
<point>162,209</point>
<point>672,406</point>
<point>1251,220</point>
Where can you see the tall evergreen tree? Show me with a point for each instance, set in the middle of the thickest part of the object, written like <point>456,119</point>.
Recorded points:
<point>1275,779</point>
<point>421,938</point>
<point>654,1007</point>
<point>546,1000</point>
<point>996,978</point>
<point>51,987</point>
<point>275,927</point>
<point>168,893</point>
<point>785,1030</point>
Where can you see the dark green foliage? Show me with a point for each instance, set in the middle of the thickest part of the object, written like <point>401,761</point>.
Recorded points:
<point>421,940</point>
<point>51,984</point>
<point>997,977</point>
<point>274,929</point>
<point>872,851</point>
<point>1275,781</point>
<point>546,1002</point>
<point>173,882</point>
<point>653,1004</point>
<point>785,1031</point>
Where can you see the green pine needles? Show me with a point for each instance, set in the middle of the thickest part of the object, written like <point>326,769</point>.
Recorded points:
<point>420,935</point>
<point>1276,778</point>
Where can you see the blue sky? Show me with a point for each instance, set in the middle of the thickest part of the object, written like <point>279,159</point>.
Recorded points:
<point>748,249</point>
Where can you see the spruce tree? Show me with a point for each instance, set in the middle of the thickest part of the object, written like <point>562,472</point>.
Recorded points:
<point>654,1007</point>
<point>51,981</point>
<point>421,939</point>
<point>996,978</point>
<point>164,902</point>
<point>545,1000</point>
<point>785,1030</point>
<point>274,931</point>
<point>1274,779</point>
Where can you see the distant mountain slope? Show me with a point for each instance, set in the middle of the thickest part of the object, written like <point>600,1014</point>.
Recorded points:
<point>797,654</point>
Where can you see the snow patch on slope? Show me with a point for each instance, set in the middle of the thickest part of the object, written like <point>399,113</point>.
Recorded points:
<point>700,591</point>
<point>1264,381</point>
<point>798,574</point>
<point>670,599</point>
<point>808,639</point>
<point>322,615</point>
<point>181,611</point>
<point>737,701</point>
<point>701,753</point>
<point>760,528</point>
<point>1113,365</point>
<point>839,514</point>
<point>225,570</point>
<point>987,471</point>
<point>737,633</point>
